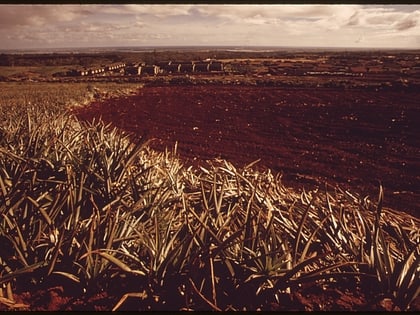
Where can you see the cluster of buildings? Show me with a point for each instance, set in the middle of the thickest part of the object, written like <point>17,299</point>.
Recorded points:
<point>171,67</point>
<point>165,67</point>
<point>117,67</point>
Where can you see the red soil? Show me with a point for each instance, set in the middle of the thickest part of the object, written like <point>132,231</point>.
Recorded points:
<point>308,298</point>
<point>350,137</point>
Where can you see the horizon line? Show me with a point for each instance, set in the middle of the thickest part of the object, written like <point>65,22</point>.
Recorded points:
<point>242,47</point>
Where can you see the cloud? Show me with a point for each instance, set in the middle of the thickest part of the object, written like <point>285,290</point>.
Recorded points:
<point>406,24</point>
<point>300,25</point>
<point>38,15</point>
<point>151,10</point>
<point>388,17</point>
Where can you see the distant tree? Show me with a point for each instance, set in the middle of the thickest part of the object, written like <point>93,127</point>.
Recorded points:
<point>3,60</point>
<point>150,58</point>
<point>7,60</point>
<point>154,57</point>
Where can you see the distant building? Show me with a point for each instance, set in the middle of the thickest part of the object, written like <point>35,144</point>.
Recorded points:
<point>171,67</point>
<point>150,70</point>
<point>163,64</point>
<point>115,66</point>
<point>216,66</point>
<point>201,67</point>
<point>132,70</point>
<point>186,67</point>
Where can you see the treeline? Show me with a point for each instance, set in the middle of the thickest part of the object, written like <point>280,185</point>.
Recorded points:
<point>188,55</point>
<point>149,57</point>
<point>27,60</point>
<point>153,56</point>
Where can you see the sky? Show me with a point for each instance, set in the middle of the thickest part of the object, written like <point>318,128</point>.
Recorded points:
<point>67,26</point>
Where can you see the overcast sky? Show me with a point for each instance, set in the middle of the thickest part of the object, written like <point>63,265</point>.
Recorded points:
<point>58,26</point>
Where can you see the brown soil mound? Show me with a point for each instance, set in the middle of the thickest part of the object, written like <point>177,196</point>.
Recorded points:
<point>350,137</point>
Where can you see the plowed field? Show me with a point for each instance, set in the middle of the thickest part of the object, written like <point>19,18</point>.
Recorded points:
<point>353,138</point>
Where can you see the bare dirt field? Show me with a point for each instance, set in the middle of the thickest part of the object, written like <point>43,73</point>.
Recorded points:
<point>353,138</point>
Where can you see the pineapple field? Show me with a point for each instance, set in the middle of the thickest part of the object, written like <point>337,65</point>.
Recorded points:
<point>232,197</point>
